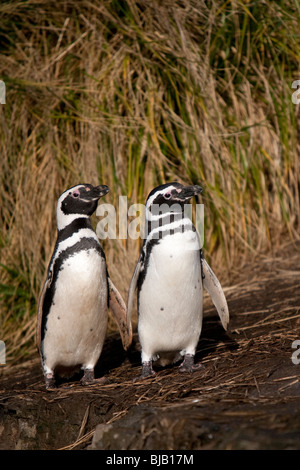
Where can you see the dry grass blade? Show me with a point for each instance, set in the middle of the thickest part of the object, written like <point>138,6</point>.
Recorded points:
<point>265,323</point>
<point>82,440</point>
<point>84,421</point>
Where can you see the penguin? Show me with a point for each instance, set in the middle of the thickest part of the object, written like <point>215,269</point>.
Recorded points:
<point>73,306</point>
<point>169,278</point>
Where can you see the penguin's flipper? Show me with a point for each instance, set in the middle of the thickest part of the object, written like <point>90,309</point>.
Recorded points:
<point>213,287</point>
<point>40,312</point>
<point>132,288</point>
<point>118,309</point>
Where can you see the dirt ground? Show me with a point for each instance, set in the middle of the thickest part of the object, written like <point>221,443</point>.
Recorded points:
<point>245,397</point>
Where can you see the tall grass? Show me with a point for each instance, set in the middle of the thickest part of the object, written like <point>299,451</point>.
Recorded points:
<point>133,94</point>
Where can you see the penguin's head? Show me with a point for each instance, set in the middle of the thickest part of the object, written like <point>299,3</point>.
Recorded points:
<point>171,196</point>
<point>80,200</point>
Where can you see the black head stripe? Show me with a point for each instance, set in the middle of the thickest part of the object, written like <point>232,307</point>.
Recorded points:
<point>156,230</point>
<point>71,205</point>
<point>73,227</point>
<point>146,251</point>
<point>164,221</point>
<point>160,188</point>
<point>160,205</point>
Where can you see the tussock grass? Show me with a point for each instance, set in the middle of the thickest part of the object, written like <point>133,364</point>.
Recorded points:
<point>133,94</point>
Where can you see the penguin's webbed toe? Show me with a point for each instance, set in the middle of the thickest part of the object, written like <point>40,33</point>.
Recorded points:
<point>147,371</point>
<point>188,364</point>
<point>89,378</point>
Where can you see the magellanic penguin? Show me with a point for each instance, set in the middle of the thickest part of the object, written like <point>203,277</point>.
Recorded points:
<point>169,276</point>
<point>74,302</point>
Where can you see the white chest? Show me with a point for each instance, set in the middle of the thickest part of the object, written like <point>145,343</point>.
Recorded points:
<point>76,322</point>
<point>170,300</point>
<point>174,270</point>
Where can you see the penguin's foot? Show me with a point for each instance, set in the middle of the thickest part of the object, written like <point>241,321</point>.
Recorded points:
<point>89,378</point>
<point>100,381</point>
<point>188,364</point>
<point>50,381</point>
<point>147,371</point>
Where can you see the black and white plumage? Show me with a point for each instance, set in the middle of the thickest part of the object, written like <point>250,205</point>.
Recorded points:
<point>169,276</point>
<point>73,306</point>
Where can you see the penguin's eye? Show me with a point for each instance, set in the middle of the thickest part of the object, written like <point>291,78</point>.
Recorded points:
<point>76,194</point>
<point>167,195</point>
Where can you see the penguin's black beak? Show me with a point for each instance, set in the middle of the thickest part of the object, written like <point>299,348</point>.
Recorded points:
<point>102,190</point>
<point>93,193</point>
<point>187,192</point>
